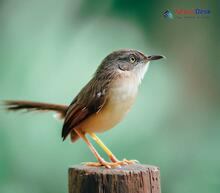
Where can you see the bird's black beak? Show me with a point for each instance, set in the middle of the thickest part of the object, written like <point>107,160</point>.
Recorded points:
<point>155,57</point>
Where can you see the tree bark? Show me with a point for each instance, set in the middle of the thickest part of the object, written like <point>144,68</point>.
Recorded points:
<point>134,178</point>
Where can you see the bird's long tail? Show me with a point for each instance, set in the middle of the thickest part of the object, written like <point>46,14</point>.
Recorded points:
<point>35,106</point>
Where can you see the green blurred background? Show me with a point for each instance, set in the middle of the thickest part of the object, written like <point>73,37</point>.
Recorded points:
<point>49,49</point>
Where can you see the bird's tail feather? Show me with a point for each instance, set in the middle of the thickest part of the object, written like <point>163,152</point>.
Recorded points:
<point>12,105</point>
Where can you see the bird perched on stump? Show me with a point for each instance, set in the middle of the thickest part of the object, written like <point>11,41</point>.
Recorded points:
<point>101,103</point>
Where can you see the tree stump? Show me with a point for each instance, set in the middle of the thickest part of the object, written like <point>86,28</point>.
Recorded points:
<point>134,178</point>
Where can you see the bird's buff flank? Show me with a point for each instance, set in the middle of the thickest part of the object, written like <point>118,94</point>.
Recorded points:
<point>102,102</point>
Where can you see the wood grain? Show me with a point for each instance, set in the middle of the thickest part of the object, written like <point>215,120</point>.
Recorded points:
<point>134,178</point>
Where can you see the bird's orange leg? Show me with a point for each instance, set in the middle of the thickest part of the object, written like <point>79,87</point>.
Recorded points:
<point>101,161</point>
<point>109,153</point>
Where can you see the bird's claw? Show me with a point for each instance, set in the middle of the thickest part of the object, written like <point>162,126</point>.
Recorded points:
<point>134,161</point>
<point>126,162</point>
<point>103,163</point>
<point>116,164</point>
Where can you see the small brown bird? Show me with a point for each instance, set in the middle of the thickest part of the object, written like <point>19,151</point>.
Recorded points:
<point>102,102</point>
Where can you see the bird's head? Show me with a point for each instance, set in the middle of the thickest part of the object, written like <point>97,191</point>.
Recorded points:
<point>126,62</point>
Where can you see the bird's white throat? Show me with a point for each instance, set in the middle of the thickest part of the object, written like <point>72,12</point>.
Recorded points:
<point>126,87</point>
<point>140,72</point>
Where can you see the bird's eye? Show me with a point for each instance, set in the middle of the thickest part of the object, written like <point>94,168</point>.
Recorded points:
<point>132,59</point>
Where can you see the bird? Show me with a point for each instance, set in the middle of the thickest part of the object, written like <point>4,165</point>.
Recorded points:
<point>101,104</point>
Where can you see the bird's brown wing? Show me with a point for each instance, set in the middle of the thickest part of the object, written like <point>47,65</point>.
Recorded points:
<point>90,100</point>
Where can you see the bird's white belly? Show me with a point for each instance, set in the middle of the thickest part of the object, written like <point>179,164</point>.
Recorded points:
<point>121,98</point>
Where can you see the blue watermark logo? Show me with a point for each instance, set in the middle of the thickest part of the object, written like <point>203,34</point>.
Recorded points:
<point>186,13</point>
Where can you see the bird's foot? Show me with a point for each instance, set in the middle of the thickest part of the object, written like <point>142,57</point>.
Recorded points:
<point>114,164</point>
<point>125,162</point>
<point>132,161</point>
<point>103,163</point>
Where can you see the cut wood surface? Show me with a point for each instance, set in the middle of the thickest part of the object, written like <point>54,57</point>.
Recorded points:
<point>134,178</point>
